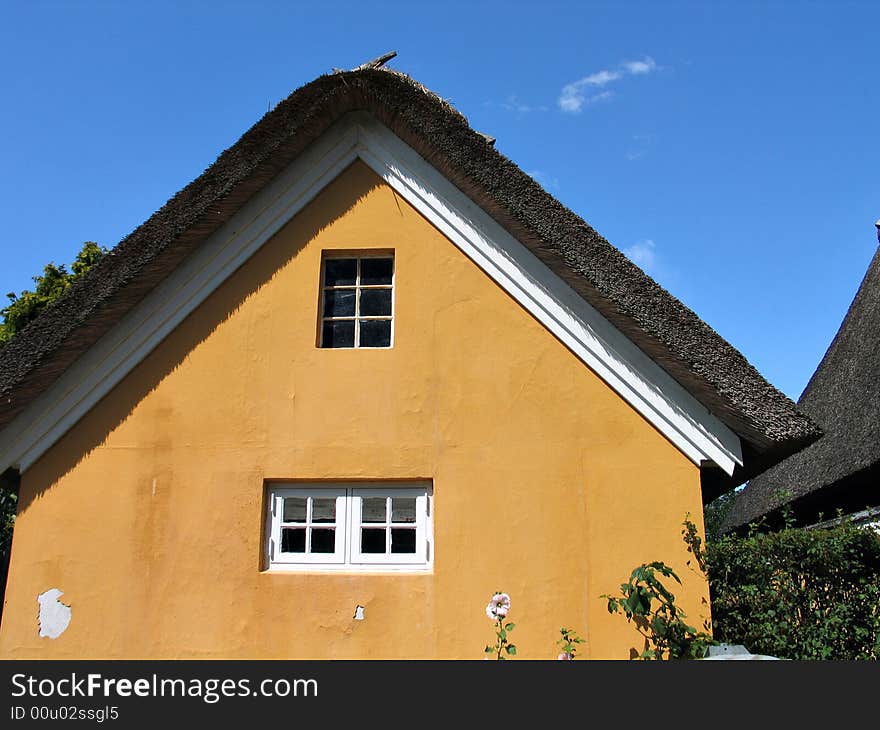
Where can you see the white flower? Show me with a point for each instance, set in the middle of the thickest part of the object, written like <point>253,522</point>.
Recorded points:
<point>498,606</point>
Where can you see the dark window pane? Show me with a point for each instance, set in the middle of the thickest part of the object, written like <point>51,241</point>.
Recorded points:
<point>403,509</point>
<point>375,302</point>
<point>376,271</point>
<point>372,540</point>
<point>339,303</point>
<point>323,540</point>
<point>375,333</point>
<point>340,272</point>
<point>373,509</point>
<point>338,334</point>
<point>403,540</point>
<point>294,509</point>
<point>323,509</point>
<point>293,540</point>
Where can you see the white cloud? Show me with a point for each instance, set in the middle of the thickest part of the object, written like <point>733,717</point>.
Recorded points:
<point>642,254</point>
<point>574,96</point>
<point>640,147</point>
<point>600,78</point>
<point>645,66</point>
<point>548,182</point>
<point>514,104</point>
<point>573,99</point>
<point>601,96</point>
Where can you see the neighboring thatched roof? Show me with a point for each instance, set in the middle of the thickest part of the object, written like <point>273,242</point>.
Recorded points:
<point>670,333</point>
<point>842,469</point>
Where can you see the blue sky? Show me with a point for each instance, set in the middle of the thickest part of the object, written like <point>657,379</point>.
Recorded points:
<point>731,149</point>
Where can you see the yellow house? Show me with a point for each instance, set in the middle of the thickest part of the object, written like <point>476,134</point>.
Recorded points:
<point>356,377</point>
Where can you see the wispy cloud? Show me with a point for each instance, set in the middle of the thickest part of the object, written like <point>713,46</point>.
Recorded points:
<point>548,182</point>
<point>583,92</point>
<point>601,96</point>
<point>645,66</point>
<point>600,78</point>
<point>643,254</point>
<point>639,148</point>
<point>514,104</point>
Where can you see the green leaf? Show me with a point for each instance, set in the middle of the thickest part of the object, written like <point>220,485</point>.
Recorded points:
<point>511,649</point>
<point>510,627</point>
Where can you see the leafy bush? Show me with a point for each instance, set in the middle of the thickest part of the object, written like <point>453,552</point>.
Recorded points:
<point>22,310</point>
<point>715,513</point>
<point>650,605</point>
<point>568,641</point>
<point>798,594</point>
<point>8,502</point>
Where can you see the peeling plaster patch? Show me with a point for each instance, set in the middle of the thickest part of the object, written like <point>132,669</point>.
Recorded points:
<point>54,616</point>
<point>359,613</point>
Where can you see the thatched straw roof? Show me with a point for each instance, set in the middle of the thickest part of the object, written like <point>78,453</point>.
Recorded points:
<point>842,469</point>
<point>702,361</point>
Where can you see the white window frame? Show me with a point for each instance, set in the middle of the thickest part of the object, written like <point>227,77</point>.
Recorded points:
<point>388,558</point>
<point>348,556</point>
<point>357,317</point>
<point>276,515</point>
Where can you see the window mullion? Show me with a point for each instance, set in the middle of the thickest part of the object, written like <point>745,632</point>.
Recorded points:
<point>348,509</point>
<point>309,525</point>
<point>387,527</point>
<point>357,305</point>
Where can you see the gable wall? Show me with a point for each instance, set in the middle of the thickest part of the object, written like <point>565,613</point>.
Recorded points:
<point>546,484</point>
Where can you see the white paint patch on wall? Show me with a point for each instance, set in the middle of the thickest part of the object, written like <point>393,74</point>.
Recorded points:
<point>54,616</point>
<point>359,613</point>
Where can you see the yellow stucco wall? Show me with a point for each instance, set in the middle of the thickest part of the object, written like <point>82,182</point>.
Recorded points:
<point>546,484</point>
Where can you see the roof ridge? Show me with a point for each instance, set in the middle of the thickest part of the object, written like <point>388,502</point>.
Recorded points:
<point>843,393</point>
<point>669,332</point>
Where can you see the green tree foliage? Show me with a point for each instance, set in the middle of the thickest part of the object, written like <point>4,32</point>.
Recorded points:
<point>21,310</point>
<point>798,594</point>
<point>715,513</point>
<point>8,501</point>
<point>25,307</point>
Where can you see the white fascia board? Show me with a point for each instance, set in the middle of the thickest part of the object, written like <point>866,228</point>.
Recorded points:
<point>578,325</point>
<point>119,351</point>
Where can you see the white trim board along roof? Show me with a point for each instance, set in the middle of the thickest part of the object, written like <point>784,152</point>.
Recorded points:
<point>679,416</point>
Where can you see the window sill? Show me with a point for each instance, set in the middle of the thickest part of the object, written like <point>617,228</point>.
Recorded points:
<point>349,570</point>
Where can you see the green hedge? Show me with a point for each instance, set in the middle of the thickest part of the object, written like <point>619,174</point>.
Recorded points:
<point>798,594</point>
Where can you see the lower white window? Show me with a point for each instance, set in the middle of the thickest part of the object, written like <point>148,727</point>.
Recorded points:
<point>350,527</point>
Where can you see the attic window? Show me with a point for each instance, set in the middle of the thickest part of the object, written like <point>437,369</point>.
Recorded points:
<point>357,301</point>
